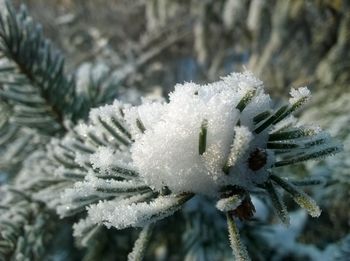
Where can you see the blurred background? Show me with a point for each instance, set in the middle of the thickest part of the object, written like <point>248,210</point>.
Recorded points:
<point>147,46</point>
<point>286,43</point>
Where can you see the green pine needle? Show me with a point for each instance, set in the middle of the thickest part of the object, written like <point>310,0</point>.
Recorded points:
<point>271,119</point>
<point>239,250</point>
<point>300,197</point>
<point>141,244</point>
<point>293,134</point>
<point>261,116</point>
<point>277,203</point>
<point>313,155</point>
<point>140,125</point>
<point>203,137</point>
<point>245,100</point>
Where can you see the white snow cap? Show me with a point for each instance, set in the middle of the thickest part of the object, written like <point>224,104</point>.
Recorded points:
<point>166,147</point>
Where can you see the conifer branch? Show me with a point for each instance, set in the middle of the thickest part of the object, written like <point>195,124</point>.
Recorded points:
<point>25,230</point>
<point>32,76</point>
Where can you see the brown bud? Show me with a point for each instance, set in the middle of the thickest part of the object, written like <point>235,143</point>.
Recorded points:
<point>257,159</point>
<point>245,211</point>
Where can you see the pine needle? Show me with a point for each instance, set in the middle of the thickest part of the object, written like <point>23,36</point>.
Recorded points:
<point>141,244</point>
<point>239,250</point>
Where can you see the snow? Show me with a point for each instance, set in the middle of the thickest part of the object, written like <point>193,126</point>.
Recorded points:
<point>149,111</point>
<point>166,154</point>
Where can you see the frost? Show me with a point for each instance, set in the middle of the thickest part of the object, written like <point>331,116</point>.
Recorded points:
<point>128,212</point>
<point>141,243</point>
<point>286,123</point>
<point>80,227</point>
<point>302,93</point>
<point>227,204</point>
<point>107,111</point>
<point>242,138</point>
<point>103,157</point>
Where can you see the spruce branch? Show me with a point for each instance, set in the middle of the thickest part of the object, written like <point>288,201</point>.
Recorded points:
<point>118,170</point>
<point>117,167</point>
<point>32,75</point>
<point>16,143</point>
<point>26,228</point>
